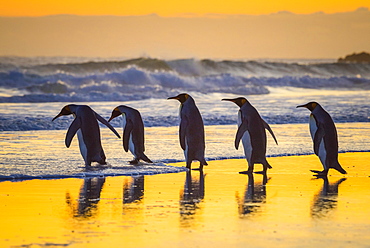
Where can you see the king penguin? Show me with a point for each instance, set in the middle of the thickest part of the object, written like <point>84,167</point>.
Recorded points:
<point>325,138</point>
<point>251,130</point>
<point>191,130</point>
<point>87,128</point>
<point>133,132</point>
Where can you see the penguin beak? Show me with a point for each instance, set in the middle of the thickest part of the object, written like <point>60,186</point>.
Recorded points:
<point>302,106</point>
<point>59,115</point>
<point>116,112</point>
<point>174,97</point>
<point>240,104</point>
<point>65,111</point>
<point>230,100</point>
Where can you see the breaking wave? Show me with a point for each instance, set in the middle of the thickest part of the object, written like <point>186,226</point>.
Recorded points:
<point>145,78</point>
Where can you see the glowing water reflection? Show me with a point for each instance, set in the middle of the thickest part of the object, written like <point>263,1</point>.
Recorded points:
<point>254,196</point>
<point>326,200</point>
<point>191,196</point>
<point>216,208</point>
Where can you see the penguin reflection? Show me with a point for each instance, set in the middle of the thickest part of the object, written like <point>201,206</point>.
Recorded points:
<point>89,197</point>
<point>254,196</point>
<point>192,194</point>
<point>326,199</point>
<point>133,190</point>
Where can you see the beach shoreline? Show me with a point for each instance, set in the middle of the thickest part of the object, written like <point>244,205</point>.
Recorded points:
<point>28,153</point>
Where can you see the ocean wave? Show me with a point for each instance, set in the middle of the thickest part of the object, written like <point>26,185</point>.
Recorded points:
<point>137,83</point>
<point>147,82</point>
<point>315,82</point>
<point>123,85</point>
<point>188,67</point>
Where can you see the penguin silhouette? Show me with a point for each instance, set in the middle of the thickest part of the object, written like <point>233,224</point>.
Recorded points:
<point>191,130</point>
<point>133,132</point>
<point>86,126</point>
<point>251,130</point>
<point>325,138</point>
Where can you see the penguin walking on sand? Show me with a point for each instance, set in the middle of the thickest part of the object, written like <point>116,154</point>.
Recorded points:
<point>191,130</point>
<point>133,132</point>
<point>86,126</point>
<point>251,130</point>
<point>325,138</point>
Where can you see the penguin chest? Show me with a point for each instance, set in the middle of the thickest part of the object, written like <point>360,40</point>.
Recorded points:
<point>186,151</point>
<point>246,140</point>
<point>131,145</point>
<point>82,145</point>
<point>322,150</point>
<point>247,144</point>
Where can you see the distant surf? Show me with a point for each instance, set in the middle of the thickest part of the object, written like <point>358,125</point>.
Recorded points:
<point>27,80</point>
<point>32,90</point>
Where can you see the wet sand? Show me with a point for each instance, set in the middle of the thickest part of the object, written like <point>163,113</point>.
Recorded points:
<point>220,208</point>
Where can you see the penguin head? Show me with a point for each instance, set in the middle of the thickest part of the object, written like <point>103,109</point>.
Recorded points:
<point>311,106</point>
<point>66,110</point>
<point>116,112</point>
<point>240,101</point>
<point>181,97</point>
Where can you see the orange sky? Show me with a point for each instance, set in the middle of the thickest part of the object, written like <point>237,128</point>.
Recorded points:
<point>173,8</point>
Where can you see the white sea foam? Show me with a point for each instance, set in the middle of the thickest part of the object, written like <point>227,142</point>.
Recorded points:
<point>278,107</point>
<point>42,154</point>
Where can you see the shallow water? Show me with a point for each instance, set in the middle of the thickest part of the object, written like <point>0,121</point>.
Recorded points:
<point>43,153</point>
<point>218,208</point>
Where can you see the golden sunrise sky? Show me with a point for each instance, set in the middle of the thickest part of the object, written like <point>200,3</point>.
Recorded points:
<point>171,8</point>
<point>232,29</point>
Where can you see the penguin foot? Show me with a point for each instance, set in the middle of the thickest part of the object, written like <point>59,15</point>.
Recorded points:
<point>135,161</point>
<point>248,172</point>
<point>323,173</point>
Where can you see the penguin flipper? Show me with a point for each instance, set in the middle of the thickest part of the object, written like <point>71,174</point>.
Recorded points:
<point>126,135</point>
<point>270,130</point>
<point>319,134</point>
<point>239,134</point>
<point>105,122</point>
<point>182,132</point>
<point>72,130</point>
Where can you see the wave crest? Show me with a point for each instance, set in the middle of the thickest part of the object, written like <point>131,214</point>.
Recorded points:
<point>145,78</point>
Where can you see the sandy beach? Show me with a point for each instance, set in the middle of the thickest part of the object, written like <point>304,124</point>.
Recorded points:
<point>219,208</point>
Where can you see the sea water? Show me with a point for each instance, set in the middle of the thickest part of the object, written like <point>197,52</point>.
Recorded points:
<point>33,91</point>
